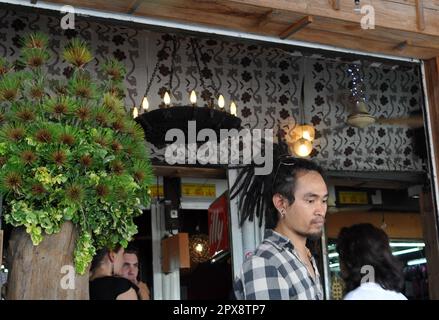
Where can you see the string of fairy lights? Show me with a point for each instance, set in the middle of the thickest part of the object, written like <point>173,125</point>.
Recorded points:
<point>357,83</point>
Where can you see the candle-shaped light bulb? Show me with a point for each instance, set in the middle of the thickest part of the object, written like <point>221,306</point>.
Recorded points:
<point>233,109</point>
<point>145,104</point>
<point>167,99</point>
<point>135,112</point>
<point>221,101</point>
<point>193,97</point>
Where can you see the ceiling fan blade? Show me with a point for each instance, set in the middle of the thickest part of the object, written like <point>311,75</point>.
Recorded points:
<point>412,122</point>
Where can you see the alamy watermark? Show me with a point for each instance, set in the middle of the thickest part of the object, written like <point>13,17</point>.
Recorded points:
<point>368,20</point>
<point>67,282</point>
<point>369,274</point>
<point>235,147</point>
<point>68,20</point>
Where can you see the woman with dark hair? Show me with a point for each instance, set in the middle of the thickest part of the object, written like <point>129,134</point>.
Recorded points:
<point>367,265</point>
<point>105,282</point>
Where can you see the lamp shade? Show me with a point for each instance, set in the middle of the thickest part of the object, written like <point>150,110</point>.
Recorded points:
<point>308,132</point>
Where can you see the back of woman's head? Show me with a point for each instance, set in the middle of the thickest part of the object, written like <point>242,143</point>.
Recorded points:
<point>364,246</point>
<point>100,257</point>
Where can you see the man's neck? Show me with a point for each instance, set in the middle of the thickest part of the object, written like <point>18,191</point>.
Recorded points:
<point>298,241</point>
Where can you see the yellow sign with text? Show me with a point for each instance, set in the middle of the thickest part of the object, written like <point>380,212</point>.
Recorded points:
<point>198,190</point>
<point>353,197</point>
<point>157,190</point>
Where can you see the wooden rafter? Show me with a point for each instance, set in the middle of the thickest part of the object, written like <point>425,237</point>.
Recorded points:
<point>302,23</point>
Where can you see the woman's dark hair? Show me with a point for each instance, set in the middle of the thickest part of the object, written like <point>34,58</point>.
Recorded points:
<point>256,191</point>
<point>100,255</point>
<point>366,245</point>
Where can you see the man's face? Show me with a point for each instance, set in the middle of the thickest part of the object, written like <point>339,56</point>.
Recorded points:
<point>306,216</point>
<point>130,268</point>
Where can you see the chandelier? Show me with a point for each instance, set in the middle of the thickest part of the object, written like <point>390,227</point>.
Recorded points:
<point>171,114</point>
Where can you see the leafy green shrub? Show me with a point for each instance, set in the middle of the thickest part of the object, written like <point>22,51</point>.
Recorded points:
<point>70,151</point>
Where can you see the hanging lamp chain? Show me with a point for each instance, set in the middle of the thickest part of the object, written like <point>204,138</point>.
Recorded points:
<point>154,72</point>
<point>197,62</point>
<point>174,53</point>
<point>302,94</point>
<point>196,47</point>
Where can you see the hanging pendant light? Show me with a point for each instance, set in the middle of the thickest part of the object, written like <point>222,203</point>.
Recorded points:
<point>302,136</point>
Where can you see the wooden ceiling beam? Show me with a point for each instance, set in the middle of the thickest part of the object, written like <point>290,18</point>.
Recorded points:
<point>295,27</point>
<point>387,13</point>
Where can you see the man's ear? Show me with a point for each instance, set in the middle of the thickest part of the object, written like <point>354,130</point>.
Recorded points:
<point>111,256</point>
<point>278,201</point>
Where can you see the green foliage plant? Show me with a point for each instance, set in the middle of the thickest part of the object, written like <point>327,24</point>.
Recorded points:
<point>69,151</point>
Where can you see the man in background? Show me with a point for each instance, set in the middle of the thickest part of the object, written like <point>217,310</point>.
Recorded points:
<point>130,271</point>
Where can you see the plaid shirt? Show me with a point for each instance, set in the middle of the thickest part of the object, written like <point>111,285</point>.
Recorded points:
<point>275,272</point>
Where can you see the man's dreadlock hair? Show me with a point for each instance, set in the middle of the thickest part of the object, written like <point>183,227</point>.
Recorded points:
<point>256,191</point>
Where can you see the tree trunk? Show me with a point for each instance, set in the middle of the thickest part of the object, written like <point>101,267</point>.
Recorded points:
<point>40,272</point>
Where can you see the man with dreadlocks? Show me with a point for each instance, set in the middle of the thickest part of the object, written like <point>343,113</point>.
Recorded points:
<point>295,206</point>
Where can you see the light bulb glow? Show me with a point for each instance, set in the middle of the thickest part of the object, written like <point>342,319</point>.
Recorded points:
<point>193,97</point>
<point>167,98</point>
<point>221,101</point>
<point>302,147</point>
<point>135,112</point>
<point>145,103</point>
<point>233,109</point>
<point>199,247</point>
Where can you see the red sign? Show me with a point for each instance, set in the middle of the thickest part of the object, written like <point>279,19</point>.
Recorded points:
<point>218,225</point>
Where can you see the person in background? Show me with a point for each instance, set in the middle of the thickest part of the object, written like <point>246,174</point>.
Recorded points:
<point>368,267</point>
<point>130,271</point>
<point>105,280</point>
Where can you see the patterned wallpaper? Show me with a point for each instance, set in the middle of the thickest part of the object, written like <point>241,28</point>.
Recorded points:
<point>264,82</point>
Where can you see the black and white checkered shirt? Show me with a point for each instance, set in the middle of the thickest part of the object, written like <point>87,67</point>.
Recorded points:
<point>275,272</point>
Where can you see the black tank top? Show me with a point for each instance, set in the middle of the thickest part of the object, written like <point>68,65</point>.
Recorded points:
<point>108,288</point>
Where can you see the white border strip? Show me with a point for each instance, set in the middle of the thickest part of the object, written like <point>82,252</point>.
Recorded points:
<point>199,28</point>
<point>432,152</point>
